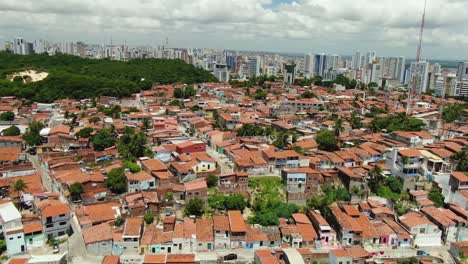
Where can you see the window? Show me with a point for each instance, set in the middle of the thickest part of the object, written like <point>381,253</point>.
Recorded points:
<point>200,244</point>
<point>49,225</point>
<point>422,230</point>
<point>63,223</point>
<point>62,215</point>
<point>19,237</point>
<point>11,238</point>
<point>163,248</point>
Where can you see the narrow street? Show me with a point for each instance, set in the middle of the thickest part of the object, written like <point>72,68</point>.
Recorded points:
<point>75,244</point>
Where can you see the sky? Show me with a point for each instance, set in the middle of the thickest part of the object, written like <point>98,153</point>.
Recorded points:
<point>390,27</point>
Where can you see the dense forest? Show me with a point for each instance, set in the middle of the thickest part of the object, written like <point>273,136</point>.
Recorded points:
<point>78,78</point>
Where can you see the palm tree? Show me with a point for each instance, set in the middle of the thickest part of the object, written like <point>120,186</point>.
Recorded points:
<point>376,178</point>
<point>19,186</point>
<point>339,127</point>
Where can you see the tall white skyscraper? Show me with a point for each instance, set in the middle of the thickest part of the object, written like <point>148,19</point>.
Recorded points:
<point>462,73</point>
<point>18,44</point>
<point>357,60</point>
<point>332,62</point>
<point>401,61</point>
<point>371,56</point>
<point>254,66</point>
<point>422,79</point>
<point>308,65</point>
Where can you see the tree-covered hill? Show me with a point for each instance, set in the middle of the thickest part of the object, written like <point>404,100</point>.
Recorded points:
<point>78,78</point>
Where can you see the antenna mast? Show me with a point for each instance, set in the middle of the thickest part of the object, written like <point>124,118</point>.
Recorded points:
<point>415,77</point>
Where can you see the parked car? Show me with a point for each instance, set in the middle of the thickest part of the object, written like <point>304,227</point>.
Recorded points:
<point>230,257</point>
<point>56,248</point>
<point>422,253</point>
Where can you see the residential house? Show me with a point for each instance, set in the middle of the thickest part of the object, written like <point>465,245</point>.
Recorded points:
<point>204,234</point>
<point>238,229</point>
<point>131,236</point>
<point>340,256</point>
<point>196,189</point>
<point>405,162</point>
<point>55,218</point>
<point>278,159</point>
<point>403,239</point>
<point>94,214</point>
<point>459,250</point>
<point>221,229</point>
<point>10,221</point>
<point>301,183</point>
<point>98,239</point>
<point>192,146</point>
<point>326,234</point>
<point>184,237</point>
<point>458,184</point>
<point>453,226</point>
<point>139,181</point>
<point>233,183</point>
<point>33,234</point>
<point>425,233</point>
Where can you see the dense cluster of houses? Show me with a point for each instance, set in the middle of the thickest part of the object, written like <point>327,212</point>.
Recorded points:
<point>187,143</point>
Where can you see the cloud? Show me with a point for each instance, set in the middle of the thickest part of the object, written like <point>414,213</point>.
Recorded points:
<point>338,26</point>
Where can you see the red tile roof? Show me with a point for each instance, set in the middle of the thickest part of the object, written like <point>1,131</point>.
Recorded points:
<point>236,221</point>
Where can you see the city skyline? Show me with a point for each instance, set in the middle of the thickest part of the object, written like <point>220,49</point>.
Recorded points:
<point>271,26</point>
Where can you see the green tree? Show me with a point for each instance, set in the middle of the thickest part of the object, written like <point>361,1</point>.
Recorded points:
<point>211,180</point>
<point>376,178</point>
<point>133,167</point>
<point>179,93</point>
<point>32,136</point>
<point>436,196</point>
<point>327,140</point>
<point>338,127</point>
<point>355,121</point>
<point>84,132</point>
<point>116,180</point>
<point>149,218</point>
<point>307,94</point>
<point>132,145</point>
<point>461,160</point>
<point>119,221</point>
<point>76,189</point>
<point>283,139</point>
<point>94,119</point>
<point>189,91</point>
<point>372,85</point>
<point>103,139</point>
<point>11,131</point>
<point>195,206</point>
<point>7,116</point>
<point>19,186</point>
<point>175,103</point>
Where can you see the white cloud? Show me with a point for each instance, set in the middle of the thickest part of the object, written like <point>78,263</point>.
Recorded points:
<point>341,26</point>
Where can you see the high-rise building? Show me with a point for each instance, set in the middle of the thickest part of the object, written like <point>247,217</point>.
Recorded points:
<point>289,73</point>
<point>445,85</point>
<point>308,65</point>
<point>400,69</point>
<point>221,72</point>
<point>357,60</point>
<point>462,73</point>
<point>461,88</point>
<point>17,45</point>
<point>422,79</point>
<point>231,61</point>
<point>254,66</point>
<point>370,57</point>
<point>320,64</point>
<point>332,62</point>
